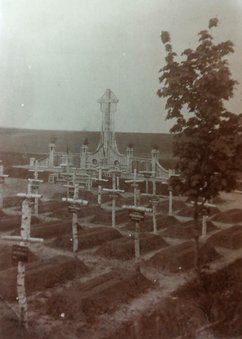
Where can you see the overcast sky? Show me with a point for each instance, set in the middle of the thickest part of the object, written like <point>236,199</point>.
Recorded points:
<point>57,57</point>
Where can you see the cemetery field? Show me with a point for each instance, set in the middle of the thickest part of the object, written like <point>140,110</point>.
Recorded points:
<point>102,291</point>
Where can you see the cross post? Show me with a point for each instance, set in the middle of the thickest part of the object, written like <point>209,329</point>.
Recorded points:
<point>136,214</point>
<point>75,204</point>
<point>134,183</point>
<point>24,239</point>
<point>114,194</point>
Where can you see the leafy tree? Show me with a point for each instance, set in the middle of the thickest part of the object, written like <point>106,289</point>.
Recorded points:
<point>207,136</point>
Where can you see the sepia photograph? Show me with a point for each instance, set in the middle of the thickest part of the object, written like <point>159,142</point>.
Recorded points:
<point>120,169</point>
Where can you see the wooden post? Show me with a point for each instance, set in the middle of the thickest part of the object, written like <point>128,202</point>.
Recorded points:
<point>170,200</point>
<point>136,214</point>
<point>154,204</point>
<point>134,183</point>
<point>24,239</point>
<point>100,182</point>
<point>74,208</point>
<point>113,192</point>
<point>137,241</point>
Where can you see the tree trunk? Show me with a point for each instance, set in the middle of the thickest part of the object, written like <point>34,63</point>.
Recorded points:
<point>196,242</point>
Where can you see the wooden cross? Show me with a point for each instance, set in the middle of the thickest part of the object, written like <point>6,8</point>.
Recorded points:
<point>33,186</point>
<point>136,214</point>
<point>24,239</point>
<point>114,194</point>
<point>154,200</point>
<point>147,175</point>
<point>75,203</point>
<point>100,182</point>
<point>134,183</point>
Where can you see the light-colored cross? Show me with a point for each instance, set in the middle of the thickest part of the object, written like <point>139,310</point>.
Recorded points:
<point>154,200</point>
<point>24,239</point>
<point>75,203</point>
<point>33,186</point>
<point>114,194</point>
<point>100,181</point>
<point>147,175</point>
<point>134,183</point>
<point>137,215</point>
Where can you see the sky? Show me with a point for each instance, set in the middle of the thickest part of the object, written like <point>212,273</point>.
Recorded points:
<point>57,58</point>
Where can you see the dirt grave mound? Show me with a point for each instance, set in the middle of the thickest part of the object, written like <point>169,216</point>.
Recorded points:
<point>9,324</point>
<point>90,210</point>
<point>9,223</point>
<point>41,275</point>
<point>180,257</point>
<point>2,214</point>
<point>163,206</point>
<point>186,230</point>
<point>123,249</point>
<point>52,229</point>
<point>50,206</point>
<point>168,320</point>
<point>162,221</point>
<point>228,238</point>
<point>101,295</point>
<point>218,296</point>
<point>231,216</point>
<point>105,217</point>
<point>13,201</point>
<point>87,238</point>
<point>188,211</point>
<point>13,223</point>
<point>6,257</point>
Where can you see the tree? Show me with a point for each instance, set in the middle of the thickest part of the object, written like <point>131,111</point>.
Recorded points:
<point>207,136</point>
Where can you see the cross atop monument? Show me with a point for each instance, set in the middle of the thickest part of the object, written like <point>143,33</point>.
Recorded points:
<point>108,105</point>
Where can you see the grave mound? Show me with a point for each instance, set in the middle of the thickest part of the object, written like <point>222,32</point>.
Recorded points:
<point>12,223</point>
<point>189,211</point>
<point>41,275</point>
<point>105,217</point>
<point>123,249</point>
<point>101,295</point>
<point>2,214</point>
<point>6,257</point>
<point>90,210</point>
<point>162,221</point>
<point>163,206</point>
<point>218,294</point>
<point>230,216</point>
<point>87,238</point>
<point>50,206</point>
<point>186,230</point>
<point>9,223</point>
<point>228,238</point>
<point>180,257</point>
<point>13,201</point>
<point>52,229</point>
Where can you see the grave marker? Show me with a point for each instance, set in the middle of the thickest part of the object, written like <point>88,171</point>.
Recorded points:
<point>20,253</point>
<point>114,196</point>
<point>136,214</point>
<point>74,208</point>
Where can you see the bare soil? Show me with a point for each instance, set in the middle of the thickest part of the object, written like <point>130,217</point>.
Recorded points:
<point>87,238</point>
<point>179,258</point>
<point>123,249</point>
<point>101,295</point>
<point>230,237</point>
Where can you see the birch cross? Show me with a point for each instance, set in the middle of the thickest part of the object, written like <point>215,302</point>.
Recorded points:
<point>24,239</point>
<point>114,194</point>
<point>134,183</point>
<point>75,204</point>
